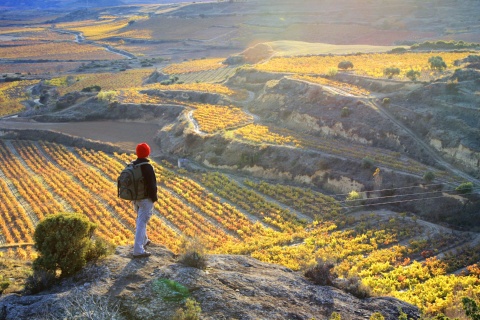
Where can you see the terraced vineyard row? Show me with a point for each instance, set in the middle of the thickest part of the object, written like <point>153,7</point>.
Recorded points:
<point>273,135</point>
<point>230,216</point>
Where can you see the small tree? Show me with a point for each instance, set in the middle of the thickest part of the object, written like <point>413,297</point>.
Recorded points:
<point>391,71</point>
<point>437,63</point>
<point>63,242</point>
<point>345,64</point>
<point>412,74</point>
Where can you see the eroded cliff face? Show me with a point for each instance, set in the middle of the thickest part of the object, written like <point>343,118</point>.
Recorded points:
<point>311,108</point>
<point>461,154</point>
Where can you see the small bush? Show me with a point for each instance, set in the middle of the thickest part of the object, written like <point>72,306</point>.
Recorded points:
<point>386,101</point>
<point>464,188</point>
<point>63,242</point>
<point>377,316</point>
<point>345,65</point>
<point>92,89</point>
<point>355,287</point>
<point>39,281</point>
<point>321,273</point>
<point>4,284</point>
<point>391,71</point>
<point>345,112</point>
<point>429,176</point>
<point>412,74</point>
<point>437,63</point>
<point>472,310</point>
<point>107,95</point>
<point>335,316</point>
<point>99,248</point>
<point>192,311</point>
<point>193,254</point>
<point>332,72</point>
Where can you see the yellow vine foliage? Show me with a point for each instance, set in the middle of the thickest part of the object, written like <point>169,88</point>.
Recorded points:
<point>212,118</point>
<point>262,134</point>
<point>11,95</point>
<point>371,64</point>
<point>201,86</point>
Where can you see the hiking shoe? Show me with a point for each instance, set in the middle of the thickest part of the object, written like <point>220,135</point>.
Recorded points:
<point>142,255</point>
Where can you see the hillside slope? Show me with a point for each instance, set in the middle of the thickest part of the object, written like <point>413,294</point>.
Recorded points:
<point>232,287</point>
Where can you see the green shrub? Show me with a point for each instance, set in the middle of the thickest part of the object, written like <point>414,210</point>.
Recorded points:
<point>391,71</point>
<point>63,242</point>
<point>464,188</point>
<point>472,310</point>
<point>335,316</point>
<point>412,74</point>
<point>437,63</point>
<point>386,101</point>
<point>92,89</point>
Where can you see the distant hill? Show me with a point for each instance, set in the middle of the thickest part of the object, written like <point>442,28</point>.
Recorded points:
<point>61,4</point>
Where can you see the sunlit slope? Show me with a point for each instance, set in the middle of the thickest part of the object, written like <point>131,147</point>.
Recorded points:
<point>301,48</point>
<point>233,215</point>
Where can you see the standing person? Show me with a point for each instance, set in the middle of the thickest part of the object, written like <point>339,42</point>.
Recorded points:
<point>144,207</point>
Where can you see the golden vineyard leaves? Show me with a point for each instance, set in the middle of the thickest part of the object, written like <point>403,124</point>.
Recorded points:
<point>364,64</point>
<point>262,134</point>
<point>212,118</point>
<point>230,216</point>
<point>11,95</point>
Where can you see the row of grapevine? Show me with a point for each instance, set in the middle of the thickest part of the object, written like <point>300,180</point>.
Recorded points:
<point>371,64</point>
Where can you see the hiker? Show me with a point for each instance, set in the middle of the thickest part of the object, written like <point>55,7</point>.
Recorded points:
<point>144,207</point>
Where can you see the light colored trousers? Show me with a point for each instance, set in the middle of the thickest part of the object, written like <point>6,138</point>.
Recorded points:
<point>144,209</point>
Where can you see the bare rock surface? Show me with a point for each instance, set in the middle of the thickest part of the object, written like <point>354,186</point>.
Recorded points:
<point>232,287</point>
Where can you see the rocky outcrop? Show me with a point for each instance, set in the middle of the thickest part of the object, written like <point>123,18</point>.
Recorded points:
<point>232,287</point>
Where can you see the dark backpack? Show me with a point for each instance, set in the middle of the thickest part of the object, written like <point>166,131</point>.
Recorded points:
<point>131,184</point>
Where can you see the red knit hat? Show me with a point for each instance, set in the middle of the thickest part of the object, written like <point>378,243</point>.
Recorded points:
<point>143,150</point>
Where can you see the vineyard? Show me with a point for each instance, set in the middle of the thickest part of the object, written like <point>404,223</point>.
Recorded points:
<point>11,95</point>
<point>372,64</point>
<point>56,51</point>
<point>232,215</point>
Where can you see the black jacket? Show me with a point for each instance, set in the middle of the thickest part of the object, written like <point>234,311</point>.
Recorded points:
<point>150,178</point>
